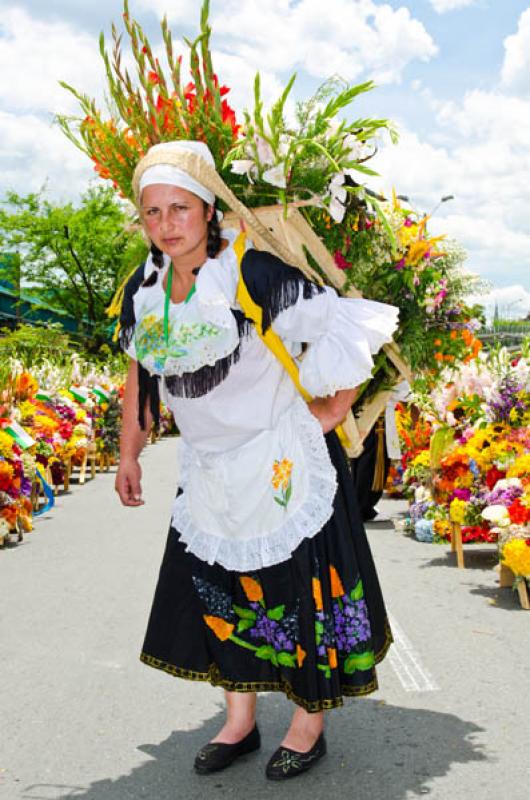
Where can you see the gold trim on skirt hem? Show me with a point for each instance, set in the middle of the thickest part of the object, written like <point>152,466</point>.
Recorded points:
<point>214,677</point>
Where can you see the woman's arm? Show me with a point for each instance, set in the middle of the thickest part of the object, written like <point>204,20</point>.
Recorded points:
<point>331,411</point>
<point>132,441</point>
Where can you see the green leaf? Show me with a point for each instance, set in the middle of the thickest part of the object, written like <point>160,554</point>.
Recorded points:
<point>326,669</point>
<point>276,613</point>
<point>280,502</point>
<point>319,627</point>
<point>287,659</point>
<point>245,613</point>
<point>267,653</point>
<point>362,661</point>
<point>357,593</point>
<point>244,625</point>
<point>288,493</point>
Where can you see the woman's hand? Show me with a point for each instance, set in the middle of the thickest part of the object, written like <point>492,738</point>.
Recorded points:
<point>129,482</point>
<point>331,411</point>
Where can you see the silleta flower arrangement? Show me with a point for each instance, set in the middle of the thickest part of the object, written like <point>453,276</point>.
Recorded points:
<point>316,159</point>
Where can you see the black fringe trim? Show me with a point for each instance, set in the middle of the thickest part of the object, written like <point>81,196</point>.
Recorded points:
<point>274,285</point>
<point>127,318</point>
<point>198,383</point>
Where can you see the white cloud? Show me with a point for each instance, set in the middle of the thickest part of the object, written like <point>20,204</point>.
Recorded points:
<point>484,163</point>
<point>441,6</point>
<point>357,37</point>
<point>513,302</point>
<point>32,152</point>
<point>36,55</point>
<point>516,66</point>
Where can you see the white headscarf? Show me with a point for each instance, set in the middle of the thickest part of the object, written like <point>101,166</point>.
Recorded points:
<point>173,176</point>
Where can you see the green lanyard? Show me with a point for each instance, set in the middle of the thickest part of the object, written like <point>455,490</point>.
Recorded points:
<point>167,301</point>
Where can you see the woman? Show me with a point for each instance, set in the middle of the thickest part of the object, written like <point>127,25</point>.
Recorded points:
<point>267,581</point>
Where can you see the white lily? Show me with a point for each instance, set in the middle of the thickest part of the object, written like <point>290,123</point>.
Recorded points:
<point>244,166</point>
<point>337,196</point>
<point>276,176</point>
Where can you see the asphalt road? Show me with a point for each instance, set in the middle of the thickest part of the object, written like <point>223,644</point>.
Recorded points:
<point>81,717</point>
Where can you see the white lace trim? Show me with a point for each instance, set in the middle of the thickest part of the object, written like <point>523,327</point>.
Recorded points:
<point>243,555</point>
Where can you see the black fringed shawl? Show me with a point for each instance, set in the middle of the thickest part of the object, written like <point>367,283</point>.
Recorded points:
<point>272,284</point>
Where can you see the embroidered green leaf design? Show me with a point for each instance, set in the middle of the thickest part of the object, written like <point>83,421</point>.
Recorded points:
<point>287,659</point>
<point>362,661</point>
<point>280,502</point>
<point>244,625</point>
<point>325,669</point>
<point>288,493</point>
<point>245,613</point>
<point>319,627</point>
<point>267,653</point>
<point>276,613</point>
<point>357,593</point>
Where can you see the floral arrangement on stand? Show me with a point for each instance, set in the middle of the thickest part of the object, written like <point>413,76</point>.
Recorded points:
<point>476,470</point>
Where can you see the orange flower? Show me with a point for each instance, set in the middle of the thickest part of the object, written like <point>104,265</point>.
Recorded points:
<point>437,342</point>
<point>337,589</point>
<point>453,334</point>
<point>332,657</point>
<point>252,589</point>
<point>223,630</point>
<point>438,356</point>
<point>317,594</point>
<point>300,655</point>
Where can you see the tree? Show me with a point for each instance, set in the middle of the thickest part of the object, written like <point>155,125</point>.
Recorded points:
<point>73,257</point>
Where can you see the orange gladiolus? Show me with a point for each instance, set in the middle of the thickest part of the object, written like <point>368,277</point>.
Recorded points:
<point>332,657</point>
<point>222,629</point>
<point>300,655</point>
<point>252,589</point>
<point>337,589</point>
<point>317,594</point>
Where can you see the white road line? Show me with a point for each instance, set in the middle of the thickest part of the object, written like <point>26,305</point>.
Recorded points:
<point>405,662</point>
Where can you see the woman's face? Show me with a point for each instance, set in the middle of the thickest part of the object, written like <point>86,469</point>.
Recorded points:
<point>175,220</point>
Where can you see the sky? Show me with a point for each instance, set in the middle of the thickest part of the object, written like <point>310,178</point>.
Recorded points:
<point>454,75</point>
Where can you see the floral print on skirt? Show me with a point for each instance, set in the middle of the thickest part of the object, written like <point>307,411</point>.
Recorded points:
<point>313,627</point>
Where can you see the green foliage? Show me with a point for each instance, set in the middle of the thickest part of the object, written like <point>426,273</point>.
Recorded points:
<point>31,344</point>
<point>74,256</point>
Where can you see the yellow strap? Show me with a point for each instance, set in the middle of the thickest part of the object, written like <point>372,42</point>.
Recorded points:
<point>271,339</point>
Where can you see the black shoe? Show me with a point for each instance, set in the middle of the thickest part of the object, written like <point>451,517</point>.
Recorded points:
<point>217,756</point>
<point>287,763</point>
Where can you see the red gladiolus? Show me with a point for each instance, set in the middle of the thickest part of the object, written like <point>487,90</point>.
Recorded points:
<point>153,78</point>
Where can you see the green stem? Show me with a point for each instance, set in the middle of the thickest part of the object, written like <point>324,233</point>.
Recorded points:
<point>242,643</point>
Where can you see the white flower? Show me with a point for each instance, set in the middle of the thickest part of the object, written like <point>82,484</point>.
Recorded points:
<point>244,166</point>
<point>497,514</point>
<point>507,483</point>
<point>276,176</point>
<point>265,154</point>
<point>337,196</point>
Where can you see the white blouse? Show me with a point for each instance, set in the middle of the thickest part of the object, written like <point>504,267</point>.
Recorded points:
<point>255,473</point>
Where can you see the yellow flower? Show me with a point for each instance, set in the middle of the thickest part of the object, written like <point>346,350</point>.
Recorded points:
<point>520,467</point>
<point>281,473</point>
<point>457,511</point>
<point>252,589</point>
<point>516,556</point>
<point>6,445</point>
<point>222,629</point>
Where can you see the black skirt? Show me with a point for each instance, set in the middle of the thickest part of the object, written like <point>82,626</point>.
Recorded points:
<point>313,627</point>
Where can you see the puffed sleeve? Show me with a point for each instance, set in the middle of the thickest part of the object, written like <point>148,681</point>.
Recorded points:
<point>343,335</point>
